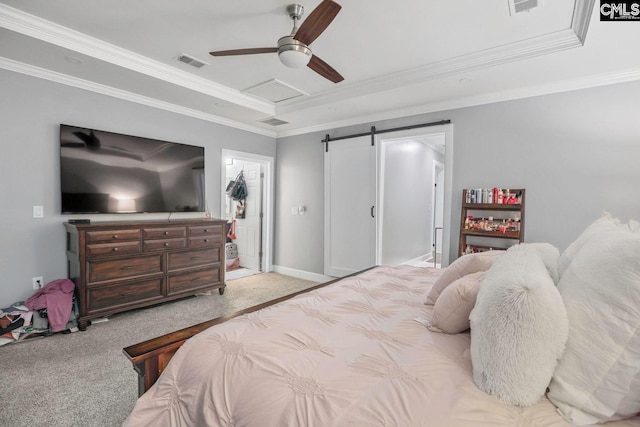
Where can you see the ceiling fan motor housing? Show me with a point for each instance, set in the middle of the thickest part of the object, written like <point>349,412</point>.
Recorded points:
<point>293,53</point>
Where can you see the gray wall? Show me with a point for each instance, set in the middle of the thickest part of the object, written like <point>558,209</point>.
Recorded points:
<point>299,239</point>
<point>31,111</point>
<point>576,153</point>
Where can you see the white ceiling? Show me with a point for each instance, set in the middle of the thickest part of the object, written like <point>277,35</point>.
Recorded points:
<point>397,58</point>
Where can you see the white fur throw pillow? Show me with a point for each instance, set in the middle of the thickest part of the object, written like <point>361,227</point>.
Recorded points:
<point>453,306</point>
<point>598,378</point>
<point>519,328</point>
<point>549,255</point>
<point>466,264</point>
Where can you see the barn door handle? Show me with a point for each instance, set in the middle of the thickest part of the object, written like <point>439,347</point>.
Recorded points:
<point>372,215</point>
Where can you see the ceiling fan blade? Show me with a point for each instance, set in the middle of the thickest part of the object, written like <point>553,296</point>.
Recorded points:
<point>249,51</point>
<point>324,69</point>
<point>317,21</point>
<point>90,141</point>
<point>72,144</point>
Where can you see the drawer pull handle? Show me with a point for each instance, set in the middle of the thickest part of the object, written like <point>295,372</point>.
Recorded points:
<point>166,233</point>
<point>115,249</point>
<point>206,240</point>
<point>195,258</point>
<point>166,245</point>
<point>206,230</point>
<point>195,279</point>
<point>124,294</point>
<point>126,267</point>
<point>115,236</point>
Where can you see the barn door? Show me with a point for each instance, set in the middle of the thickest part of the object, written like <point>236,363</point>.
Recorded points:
<point>350,194</point>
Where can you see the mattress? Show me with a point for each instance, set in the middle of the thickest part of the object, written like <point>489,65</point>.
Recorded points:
<point>354,353</point>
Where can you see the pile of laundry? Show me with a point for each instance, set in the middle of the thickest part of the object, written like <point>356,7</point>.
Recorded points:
<point>51,309</point>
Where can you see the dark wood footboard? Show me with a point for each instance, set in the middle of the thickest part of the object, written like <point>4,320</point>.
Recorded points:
<point>149,358</point>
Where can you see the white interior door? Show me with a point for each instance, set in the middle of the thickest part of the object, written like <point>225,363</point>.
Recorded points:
<point>248,229</point>
<point>350,193</point>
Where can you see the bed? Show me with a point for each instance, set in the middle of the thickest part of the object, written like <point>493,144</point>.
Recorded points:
<point>353,352</point>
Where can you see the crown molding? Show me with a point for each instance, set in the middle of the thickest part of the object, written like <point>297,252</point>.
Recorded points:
<point>490,98</point>
<point>41,73</point>
<point>581,17</point>
<point>33,26</point>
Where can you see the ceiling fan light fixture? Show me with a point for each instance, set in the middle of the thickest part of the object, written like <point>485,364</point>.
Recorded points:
<point>294,58</point>
<point>293,53</point>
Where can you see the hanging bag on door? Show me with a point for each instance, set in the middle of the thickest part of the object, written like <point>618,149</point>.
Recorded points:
<point>237,189</point>
<point>232,230</point>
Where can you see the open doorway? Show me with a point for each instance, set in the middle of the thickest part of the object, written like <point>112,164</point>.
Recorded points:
<point>253,217</point>
<point>413,184</point>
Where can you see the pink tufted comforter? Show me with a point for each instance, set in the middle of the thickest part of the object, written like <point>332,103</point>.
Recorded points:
<point>349,354</point>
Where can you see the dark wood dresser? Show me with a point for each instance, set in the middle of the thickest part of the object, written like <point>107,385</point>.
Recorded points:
<point>122,265</point>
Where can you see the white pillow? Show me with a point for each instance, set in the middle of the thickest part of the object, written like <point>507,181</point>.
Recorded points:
<point>604,225</point>
<point>519,328</point>
<point>549,255</point>
<point>466,264</point>
<point>452,308</point>
<point>598,378</point>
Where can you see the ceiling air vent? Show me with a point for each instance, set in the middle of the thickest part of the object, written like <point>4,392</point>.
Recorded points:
<point>518,6</point>
<point>274,122</point>
<point>190,60</point>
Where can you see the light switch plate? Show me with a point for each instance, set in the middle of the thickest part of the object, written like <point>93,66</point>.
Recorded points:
<point>38,211</point>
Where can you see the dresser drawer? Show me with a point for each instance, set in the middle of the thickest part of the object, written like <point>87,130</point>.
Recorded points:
<point>179,260</point>
<point>100,271</point>
<point>114,296</point>
<point>204,230</point>
<point>163,233</point>
<point>193,280</point>
<point>205,241</point>
<point>164,244</point>
<point>103,249</point>
<point>112,236</point>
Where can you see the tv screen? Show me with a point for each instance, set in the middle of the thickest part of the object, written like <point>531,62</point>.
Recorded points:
<point>106,172</point>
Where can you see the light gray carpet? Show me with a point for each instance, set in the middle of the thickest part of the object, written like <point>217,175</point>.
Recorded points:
<point>83,379</point>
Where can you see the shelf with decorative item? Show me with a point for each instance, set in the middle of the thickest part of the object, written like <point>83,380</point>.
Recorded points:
<point>491,225</point>
<point>499,234</point>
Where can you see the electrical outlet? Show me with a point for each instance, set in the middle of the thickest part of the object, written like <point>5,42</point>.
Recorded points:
<point>37,282</point>
<point>38,212</point>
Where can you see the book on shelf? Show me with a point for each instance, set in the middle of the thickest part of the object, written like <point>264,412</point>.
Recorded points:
<point>493,195</point>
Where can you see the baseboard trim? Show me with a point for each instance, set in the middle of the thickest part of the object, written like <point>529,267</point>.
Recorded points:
<point>306,275</point>
<point>421,258</point>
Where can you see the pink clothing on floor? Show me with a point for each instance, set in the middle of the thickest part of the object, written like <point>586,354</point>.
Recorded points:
<point>57,298</point>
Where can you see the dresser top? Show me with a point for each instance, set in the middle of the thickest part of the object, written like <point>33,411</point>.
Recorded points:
<point>145,223</point>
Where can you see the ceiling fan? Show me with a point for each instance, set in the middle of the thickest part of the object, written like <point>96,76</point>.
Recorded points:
<point>89,141</point>
<point>293,50</point>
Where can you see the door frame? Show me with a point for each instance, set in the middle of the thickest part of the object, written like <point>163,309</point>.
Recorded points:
<point>436,167</point>
<point>267,198</point>
<point>447,131</point>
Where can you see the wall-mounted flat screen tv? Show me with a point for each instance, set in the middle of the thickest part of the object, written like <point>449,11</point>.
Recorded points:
<point>105,172</point>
